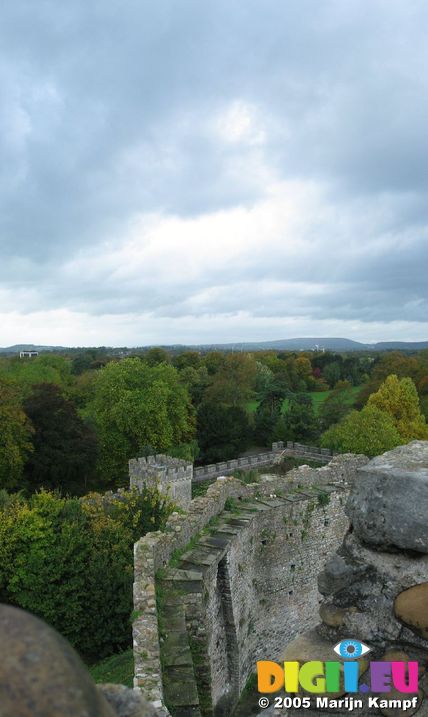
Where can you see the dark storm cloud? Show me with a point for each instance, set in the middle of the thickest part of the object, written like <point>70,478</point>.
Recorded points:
<point>114,110</point>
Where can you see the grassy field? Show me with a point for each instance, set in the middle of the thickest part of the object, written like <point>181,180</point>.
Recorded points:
<point>317,399</point>
<point>118,669</point>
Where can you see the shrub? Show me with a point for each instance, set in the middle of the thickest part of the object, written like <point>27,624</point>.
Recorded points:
<point>70,562</point>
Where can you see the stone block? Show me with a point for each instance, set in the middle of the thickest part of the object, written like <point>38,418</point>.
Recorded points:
<point>388,506</point>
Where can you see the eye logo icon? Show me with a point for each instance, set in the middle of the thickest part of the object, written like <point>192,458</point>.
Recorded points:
<point>351,649</point>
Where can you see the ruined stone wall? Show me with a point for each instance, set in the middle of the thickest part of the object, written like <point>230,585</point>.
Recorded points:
<point>244,585</point>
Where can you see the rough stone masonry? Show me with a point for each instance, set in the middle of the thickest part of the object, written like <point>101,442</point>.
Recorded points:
<point>375,587</point>
<point>231,581</point>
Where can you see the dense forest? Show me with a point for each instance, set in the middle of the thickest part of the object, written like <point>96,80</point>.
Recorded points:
<point>70,423</point>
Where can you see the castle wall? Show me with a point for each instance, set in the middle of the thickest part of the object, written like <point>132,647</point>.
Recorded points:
<point>296,450</point>
<point>263,589</point>
<point>243,587</point>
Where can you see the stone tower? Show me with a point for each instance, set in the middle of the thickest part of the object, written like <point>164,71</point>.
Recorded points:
<point>173,476</point>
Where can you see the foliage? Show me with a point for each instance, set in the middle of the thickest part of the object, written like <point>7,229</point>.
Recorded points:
<point>247,477</point>
<point>336,405</point>
<point>332,373</point>
<point>47,368</point>
<point>196,382</point>
<point>423,386</point>
<point>300,422</point>
<point>234,382</point>
<point>134,405</point>
<point>65,448</point>
<point>369,431</point>
<point>399,399</point>
<point>70,562</point>
<point>223,431</point>
<point>187,359</point>
<point>156,356</point>
<point>15,437</point>
<point>266,420</point>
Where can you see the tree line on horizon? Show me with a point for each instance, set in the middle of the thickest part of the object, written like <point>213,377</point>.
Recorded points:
<point>72,423</point>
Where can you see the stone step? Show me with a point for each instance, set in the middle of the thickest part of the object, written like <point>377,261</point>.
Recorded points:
<point>240,522</point>
<point>178,677</point>
<point>215,540</point>
<point>180,687</point>
<point>199,555</point>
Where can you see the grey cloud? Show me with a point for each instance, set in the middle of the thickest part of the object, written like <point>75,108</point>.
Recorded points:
<point>106,111</point>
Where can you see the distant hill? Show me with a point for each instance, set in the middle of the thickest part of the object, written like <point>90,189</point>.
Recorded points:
<point>298,344</point>
<point>320,343</point>
<point>29,347</point>
<point>401,345</point>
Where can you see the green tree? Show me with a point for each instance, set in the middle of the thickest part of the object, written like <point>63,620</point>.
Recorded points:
<point>336,405</point>
<point>196,381</point>
<point>156,356</point>
<point>223,431</point>
<point>332,373</point>
<point>369,431</point>
<point>187,359</point>
<point>234,382</point>
<point>135,405</point>
<point>300,421</point>
<point>15,437</point>
<point>65,447</point>
<point>46,368</point>
<point>214,361</point>
<point>265,422</point>
<point>264,378</point>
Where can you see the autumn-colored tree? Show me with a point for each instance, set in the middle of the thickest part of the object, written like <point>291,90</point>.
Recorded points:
<point>423,386</point>
<point>15,437</point>
<point>390,363</point>
<point>399,399</point>
<point>396,363</point>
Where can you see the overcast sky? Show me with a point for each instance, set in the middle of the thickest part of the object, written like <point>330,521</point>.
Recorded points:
<point>213,170</point>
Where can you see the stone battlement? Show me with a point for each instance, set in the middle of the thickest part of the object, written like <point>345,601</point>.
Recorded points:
<point>173,476</point>
<point>294,450</point>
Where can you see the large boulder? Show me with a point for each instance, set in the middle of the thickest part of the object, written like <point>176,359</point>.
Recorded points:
<point>41,675</point>
<point>388,505</point>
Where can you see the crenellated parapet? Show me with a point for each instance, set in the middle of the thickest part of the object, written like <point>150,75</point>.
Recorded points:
<point>173,476</point>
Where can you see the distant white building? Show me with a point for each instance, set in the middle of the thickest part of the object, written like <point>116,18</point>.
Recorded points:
<point>28,354</point>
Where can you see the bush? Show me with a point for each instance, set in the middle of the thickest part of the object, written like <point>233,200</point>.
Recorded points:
<point>70,562</point>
